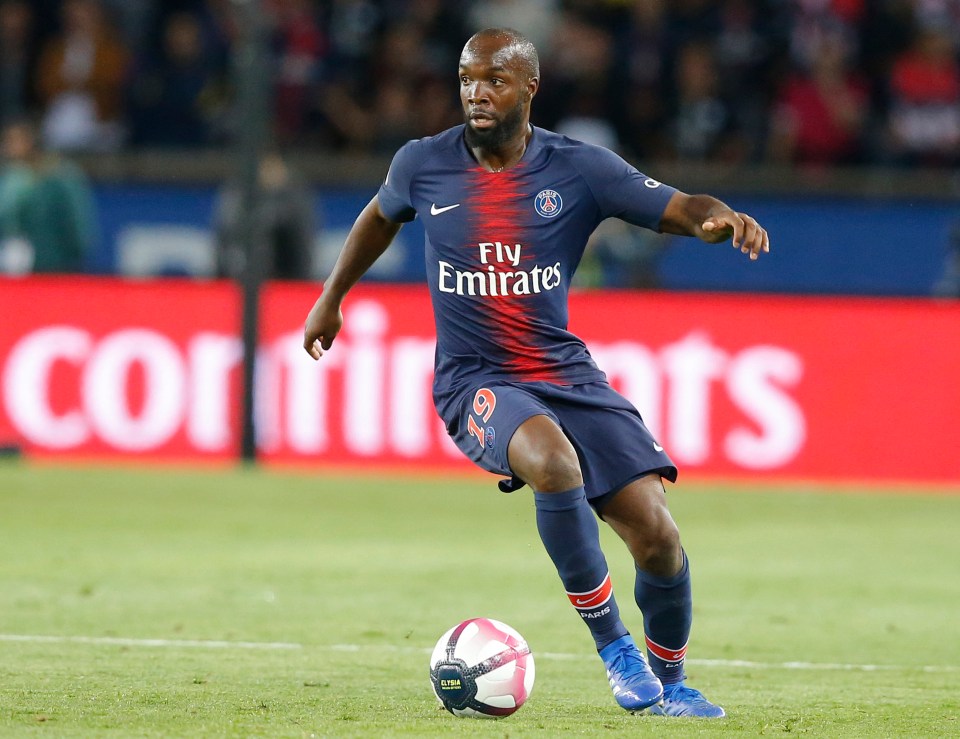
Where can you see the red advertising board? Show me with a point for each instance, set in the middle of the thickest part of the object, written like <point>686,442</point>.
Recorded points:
<point>104,367</point>
<point>731,385</point>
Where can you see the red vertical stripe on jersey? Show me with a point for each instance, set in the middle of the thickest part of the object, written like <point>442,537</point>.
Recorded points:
<point>498,211</point>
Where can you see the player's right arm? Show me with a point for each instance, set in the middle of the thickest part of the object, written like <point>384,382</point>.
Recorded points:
<point>370,236</point>
<point>372,233</point>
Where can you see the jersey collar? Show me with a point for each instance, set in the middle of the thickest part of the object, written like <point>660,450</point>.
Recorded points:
<point>533,147</point>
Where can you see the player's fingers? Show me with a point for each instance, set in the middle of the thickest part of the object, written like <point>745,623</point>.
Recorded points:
<point>736,223</point>
<point>317,340</point>
<point>317,345</point>
<point>312,345</point>
<point>750,240</point>
<point>319,330</point>
<point>716,224</point>
<point>762,242</point>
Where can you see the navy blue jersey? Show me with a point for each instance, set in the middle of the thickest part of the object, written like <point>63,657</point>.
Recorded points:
<point>502,247</point>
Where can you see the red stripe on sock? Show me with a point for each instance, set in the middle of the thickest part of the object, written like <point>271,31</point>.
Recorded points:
<point>593,598</point>
<point>667,655</point>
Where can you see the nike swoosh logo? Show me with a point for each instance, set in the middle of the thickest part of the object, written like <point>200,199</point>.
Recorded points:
<point>583,601</point>
<point>435,211</point>
<point>657,447</point>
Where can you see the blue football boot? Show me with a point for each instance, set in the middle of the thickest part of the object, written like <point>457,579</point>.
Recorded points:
<point>679,700</point>
<point>633,683</point>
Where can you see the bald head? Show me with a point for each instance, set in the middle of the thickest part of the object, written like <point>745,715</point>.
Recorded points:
<point>508,48</point>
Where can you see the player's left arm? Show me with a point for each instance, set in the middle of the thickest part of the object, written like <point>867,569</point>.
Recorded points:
<point>713,221</point>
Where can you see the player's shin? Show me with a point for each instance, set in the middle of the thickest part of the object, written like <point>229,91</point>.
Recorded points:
<point>667,607</point>
<point>571,536</point>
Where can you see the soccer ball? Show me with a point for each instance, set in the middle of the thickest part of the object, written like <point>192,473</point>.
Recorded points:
<point>481,668</point>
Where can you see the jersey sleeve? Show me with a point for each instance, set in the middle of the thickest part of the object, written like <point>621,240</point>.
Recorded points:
<point>621,190</point>
<point>394,194</point>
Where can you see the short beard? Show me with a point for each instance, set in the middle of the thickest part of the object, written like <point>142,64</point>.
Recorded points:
<point>493,139</point>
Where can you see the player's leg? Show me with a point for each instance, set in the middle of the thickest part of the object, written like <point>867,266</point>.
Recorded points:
<point>541,455</point>
<point>509,430</point>
<point>639,515</point>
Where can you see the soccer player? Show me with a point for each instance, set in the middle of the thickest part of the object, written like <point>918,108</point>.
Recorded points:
<point>507,209</point>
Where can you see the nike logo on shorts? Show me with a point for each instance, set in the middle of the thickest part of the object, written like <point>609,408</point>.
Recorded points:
<point>435,211</point>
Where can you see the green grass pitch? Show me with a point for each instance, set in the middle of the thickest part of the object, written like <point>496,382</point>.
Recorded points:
<point>166,603</point>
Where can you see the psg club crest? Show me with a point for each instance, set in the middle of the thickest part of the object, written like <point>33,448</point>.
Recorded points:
<point>548,203</point>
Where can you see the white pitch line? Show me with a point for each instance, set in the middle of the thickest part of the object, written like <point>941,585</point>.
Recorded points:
<point>746,664</point>
<point>824,666</point>
<point>122,642</point>
<point>220,644</point>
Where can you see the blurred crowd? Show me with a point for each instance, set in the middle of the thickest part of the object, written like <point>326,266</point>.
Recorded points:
<point>817,82</point>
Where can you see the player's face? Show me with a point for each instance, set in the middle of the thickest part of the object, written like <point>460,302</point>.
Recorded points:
<point>495,93</point>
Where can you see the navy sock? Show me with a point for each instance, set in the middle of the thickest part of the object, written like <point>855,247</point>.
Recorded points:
<point>667,607</point>
<point>570,533</point>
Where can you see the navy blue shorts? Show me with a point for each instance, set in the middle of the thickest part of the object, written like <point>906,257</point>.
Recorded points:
<point>613,444</point>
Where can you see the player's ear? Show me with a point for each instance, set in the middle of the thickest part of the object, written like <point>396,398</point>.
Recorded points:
<point>533,84</point>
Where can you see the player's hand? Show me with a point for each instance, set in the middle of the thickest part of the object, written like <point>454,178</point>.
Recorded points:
<point>743,230</point>
<point>321,328</point>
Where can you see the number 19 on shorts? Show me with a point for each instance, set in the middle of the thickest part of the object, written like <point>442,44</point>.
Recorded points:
<point>483,404</point>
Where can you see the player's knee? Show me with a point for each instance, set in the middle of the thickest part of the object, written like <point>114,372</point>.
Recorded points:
<point>553,470</point>
<point>657,550</point>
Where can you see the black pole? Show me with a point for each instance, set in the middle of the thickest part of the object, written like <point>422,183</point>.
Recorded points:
<point>252,88</point>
